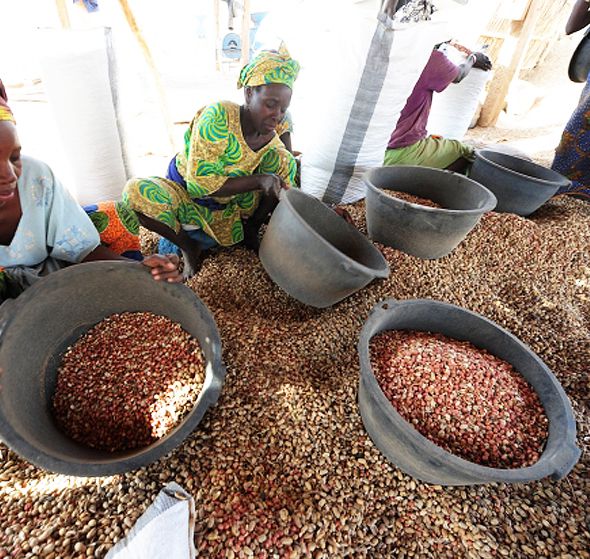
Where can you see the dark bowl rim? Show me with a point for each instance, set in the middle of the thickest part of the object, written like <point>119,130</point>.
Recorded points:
<point>384,269</point>
<point>540,469</point>
<point>488,206</point>
<point>121,461</point>
<point>555,185</point>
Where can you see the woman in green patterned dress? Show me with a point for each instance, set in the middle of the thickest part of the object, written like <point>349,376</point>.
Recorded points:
<point>222,186</point>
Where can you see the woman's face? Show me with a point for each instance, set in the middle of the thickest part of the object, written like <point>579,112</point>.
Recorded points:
<point>11,165</point>
<point>268,105</point>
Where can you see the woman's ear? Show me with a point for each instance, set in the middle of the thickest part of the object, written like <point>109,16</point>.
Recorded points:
<point>248,94</point>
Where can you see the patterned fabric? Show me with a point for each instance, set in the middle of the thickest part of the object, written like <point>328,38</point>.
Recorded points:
<point>415,11</point>
<point>118,228</point>
<point>286,125</point>
<point>433,151</point>
<point>270,66</point>
<point>5,112</point>
<point>215,150</point>
<point>572,156</point>
<point>198,235</point>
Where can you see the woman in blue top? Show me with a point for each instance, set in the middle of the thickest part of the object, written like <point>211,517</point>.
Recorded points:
<point>43,229</point>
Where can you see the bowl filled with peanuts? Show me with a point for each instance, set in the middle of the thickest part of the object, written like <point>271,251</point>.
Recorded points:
<point>422,211</point>
<point>104,370</point>
<point>451,398</point>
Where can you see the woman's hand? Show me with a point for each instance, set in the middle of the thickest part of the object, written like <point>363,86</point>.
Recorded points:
<point>272,185</point>
<point>163,268</point>
<point>344,215</point>
<point>482,61</point>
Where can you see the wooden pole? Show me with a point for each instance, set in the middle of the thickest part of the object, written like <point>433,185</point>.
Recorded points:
<point>503,75</point>
<point>217,48</point>
<point>245,33</point>
<point>64,16</point>
<point>150,61</point>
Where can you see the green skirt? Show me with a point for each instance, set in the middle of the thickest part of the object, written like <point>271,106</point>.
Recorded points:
<point>430,152</point>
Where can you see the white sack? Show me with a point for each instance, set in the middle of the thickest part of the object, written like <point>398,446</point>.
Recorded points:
<point>77,77</point>
<point>454,108</point>
<point>164,531</point>
<point>356,75</point>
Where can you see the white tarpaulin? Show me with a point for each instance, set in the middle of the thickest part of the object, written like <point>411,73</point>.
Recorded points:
<point>78,78</point>
<point>357,72</point>
<point>164,531</point>
<point>454,108</point>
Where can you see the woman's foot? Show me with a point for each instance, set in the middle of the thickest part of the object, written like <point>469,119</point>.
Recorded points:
<point>251,237</point>
<point>192,262</point>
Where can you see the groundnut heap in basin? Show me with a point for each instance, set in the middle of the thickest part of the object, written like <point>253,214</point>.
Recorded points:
<point>461,398</point>
<point>128,381</point>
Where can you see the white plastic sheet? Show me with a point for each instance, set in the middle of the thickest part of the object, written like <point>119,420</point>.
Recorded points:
<point>356,75</point>
<point>78,79</point>
<point>454,108</point>
<point>164,531</point>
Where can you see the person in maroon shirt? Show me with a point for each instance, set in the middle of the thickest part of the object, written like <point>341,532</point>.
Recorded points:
<point>409,143</point>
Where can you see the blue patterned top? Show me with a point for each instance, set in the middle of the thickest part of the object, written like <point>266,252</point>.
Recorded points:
<point>52,223</point>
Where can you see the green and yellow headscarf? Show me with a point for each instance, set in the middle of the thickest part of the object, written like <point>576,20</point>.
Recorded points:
<point>270,66</point>
<point>5,112</point>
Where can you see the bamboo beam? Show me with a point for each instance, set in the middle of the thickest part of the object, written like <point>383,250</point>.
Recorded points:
<point>503,75</point>
<point>245,33</point>
<point>217,48</point>
<point>152,65</point>
<point>64,16</point>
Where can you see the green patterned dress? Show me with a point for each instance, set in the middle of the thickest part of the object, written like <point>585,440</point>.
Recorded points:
<point>214,151</point>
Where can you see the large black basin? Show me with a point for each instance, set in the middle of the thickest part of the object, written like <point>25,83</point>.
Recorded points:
<point>520,186</point>
<point>420,230</point>
<point>40,324</point>
<point>415,454</point>
<point>314,254</point>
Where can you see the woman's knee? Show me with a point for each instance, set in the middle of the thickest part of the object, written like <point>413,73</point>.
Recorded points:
<point>131,194</point>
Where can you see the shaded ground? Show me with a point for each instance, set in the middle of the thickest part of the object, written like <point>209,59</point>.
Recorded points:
<point>282,466</point>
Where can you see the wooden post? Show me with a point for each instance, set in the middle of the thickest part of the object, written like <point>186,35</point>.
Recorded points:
<point>150,61</point>
<point>503,75</point>
<point>217,47</point>
<point>64,16</point>
<point>245,33</point>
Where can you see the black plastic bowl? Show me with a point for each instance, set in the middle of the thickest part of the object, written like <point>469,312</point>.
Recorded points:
<point>520,186</point>
<point>413,453</point>
<point>315,255</point>
<point>419,230</point>
<point>40,324</point>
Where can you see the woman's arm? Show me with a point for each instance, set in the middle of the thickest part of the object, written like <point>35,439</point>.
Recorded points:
<point>103,253</point>
<point>286,139</point>
<point>474,60</point>
<point>276,172</point>
<point>579,18</point>
<point>269,184</point>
